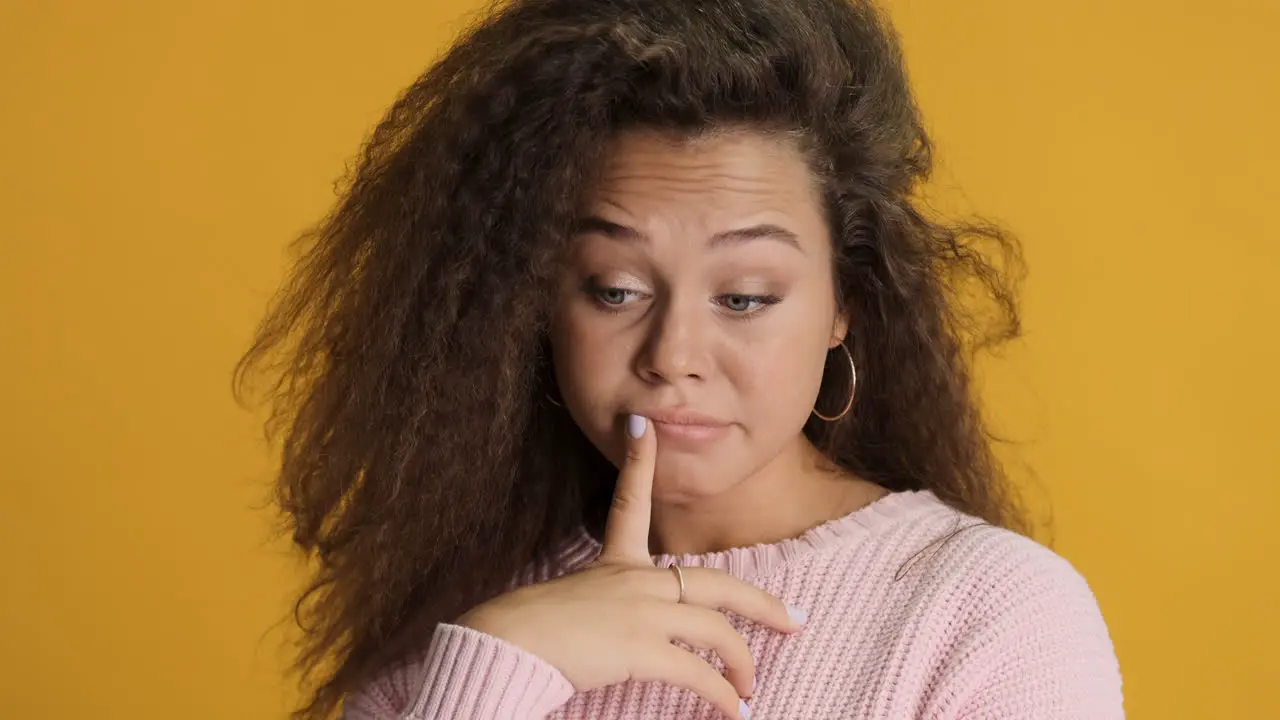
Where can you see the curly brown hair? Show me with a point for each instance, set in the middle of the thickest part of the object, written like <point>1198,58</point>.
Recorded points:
<point>422,467</point>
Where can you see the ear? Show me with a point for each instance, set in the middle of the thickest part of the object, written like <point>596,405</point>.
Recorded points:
<point>839,329</point>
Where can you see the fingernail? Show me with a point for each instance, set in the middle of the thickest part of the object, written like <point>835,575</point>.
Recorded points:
<point>743,710</point>
<point>635,426</point>
<point>797,615</point>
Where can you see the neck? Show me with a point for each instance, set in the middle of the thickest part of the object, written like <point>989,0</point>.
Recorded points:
<point>798,490</point>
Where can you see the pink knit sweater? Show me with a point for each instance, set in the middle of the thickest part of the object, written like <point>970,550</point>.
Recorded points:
<point>915,611</point>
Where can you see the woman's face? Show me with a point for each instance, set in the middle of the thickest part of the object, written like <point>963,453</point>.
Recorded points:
<point>700,295</point>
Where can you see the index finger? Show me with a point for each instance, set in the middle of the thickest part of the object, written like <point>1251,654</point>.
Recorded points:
<point>626,533</point>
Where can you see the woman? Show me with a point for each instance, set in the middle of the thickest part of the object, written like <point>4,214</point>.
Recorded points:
<point>663,253</point>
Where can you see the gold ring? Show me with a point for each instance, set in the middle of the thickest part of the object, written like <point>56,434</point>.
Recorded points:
<point>680,577</point>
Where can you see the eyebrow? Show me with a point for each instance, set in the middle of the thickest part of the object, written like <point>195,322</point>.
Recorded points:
<point>592,224</point>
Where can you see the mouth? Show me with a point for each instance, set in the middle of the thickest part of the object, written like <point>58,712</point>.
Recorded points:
<point>686,426</point>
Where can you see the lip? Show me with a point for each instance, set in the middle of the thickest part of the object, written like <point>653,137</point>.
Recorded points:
<point>685,426</point>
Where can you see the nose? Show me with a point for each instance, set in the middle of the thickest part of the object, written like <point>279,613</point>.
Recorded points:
<point>674,350</point>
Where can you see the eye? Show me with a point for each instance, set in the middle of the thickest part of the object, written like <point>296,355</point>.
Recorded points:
<point>612,298</point>
<point>744,304</point>
<point>612,295</point>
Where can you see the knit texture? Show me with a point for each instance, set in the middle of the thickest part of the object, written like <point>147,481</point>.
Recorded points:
<point>915,611</point>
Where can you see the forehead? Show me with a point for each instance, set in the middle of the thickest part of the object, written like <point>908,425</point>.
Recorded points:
<point>716,177</point>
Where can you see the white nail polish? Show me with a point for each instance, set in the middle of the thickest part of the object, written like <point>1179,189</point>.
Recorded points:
<point>636,426</point>
<point>797,615</point>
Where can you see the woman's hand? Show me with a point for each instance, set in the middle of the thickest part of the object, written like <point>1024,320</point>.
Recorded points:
<point>616,620</point>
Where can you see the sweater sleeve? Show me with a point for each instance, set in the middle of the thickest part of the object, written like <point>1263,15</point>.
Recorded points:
<point>1038,648</point>
<point>465,674</point>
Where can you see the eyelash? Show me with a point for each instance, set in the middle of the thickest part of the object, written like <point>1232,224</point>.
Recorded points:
<point>764,302</point>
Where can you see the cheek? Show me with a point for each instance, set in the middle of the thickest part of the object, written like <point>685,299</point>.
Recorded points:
<point>778,385</point>
<point>590,366</point>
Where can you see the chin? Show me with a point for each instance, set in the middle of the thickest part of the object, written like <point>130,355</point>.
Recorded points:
<point>681,477</point>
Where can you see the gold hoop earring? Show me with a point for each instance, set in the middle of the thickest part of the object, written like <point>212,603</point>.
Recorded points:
<point>853,384</point>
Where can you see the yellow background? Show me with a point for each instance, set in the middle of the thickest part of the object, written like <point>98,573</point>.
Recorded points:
<point>156,157</point>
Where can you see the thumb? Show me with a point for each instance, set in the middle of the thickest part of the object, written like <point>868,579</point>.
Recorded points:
<point>626,534</point>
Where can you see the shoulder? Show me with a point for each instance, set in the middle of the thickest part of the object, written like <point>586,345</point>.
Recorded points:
<point>989,570</point>
<point>980,575</point>
<point>918,541</point>
<point>1014,627</point>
